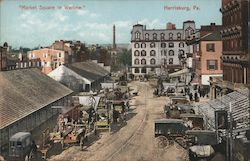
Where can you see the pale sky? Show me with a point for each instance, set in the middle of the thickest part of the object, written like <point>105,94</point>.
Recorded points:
<point>91,21</point>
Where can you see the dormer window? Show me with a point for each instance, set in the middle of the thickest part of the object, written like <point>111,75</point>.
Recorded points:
<point>154,36</point>
<point>137,35</point>
<point>171,36</point>
<point>178,36</point>
<point>162,36</point>
<point>146,36</point>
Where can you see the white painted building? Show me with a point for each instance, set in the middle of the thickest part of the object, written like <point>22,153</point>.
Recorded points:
<point>153,49</point>
<point>81,76</point>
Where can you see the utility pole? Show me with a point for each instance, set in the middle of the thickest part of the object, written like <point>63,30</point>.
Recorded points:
<point>229,147</point>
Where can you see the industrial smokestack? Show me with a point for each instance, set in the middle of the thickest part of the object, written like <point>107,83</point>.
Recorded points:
<point>114,44</point>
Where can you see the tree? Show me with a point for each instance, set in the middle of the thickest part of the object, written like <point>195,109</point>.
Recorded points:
<point>125,58</point>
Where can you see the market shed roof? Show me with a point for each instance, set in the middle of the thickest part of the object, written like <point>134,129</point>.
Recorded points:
<point>240,105</point>
<point>25,91</point>
<point>88,70</point>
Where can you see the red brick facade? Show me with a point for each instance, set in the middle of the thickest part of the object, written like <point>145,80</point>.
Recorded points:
<point>235,36</point>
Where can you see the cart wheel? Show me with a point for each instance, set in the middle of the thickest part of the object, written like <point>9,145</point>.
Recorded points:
<point>181,142</point>
<point>162,142</point>
<point>81,142</point>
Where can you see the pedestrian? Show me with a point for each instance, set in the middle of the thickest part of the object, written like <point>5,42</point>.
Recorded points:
<point>190,96</point>
<point>196,97</point>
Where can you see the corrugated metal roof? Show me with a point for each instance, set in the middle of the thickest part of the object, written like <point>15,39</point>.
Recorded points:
<point>25,91</point>
<point>89,70</point>
<point>240,106</point>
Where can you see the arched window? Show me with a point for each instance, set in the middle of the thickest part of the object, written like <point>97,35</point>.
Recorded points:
<point>181,54</point>
<point>136,61</point>
<point>181,51</point>
<point>163,45</point>
<point>146,36</point>
<point>152,53</point>
<point>137,35</point>
<point>143,62</point>
<point>152,45</point>
<point>154,36</point>
<point>170,61</point>
<point>171,35</point>
<point>143,53</point>
<point>171,53</point>
<point>137,45</point>
<point>152,61</point>
<point>136,53</point>
<point>178,36</point>
<point>143,45</point>
<point>181,45</point>
<point>162,36</point>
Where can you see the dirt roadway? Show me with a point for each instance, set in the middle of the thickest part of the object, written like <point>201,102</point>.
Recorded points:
<point>134,141</point>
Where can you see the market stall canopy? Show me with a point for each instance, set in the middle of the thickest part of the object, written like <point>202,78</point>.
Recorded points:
<point>179,73</point>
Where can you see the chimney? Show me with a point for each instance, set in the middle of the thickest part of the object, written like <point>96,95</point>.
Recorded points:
<point>213,26</point>
<point>170,26</point>
<point>3,58</point>
<point>114,44</point>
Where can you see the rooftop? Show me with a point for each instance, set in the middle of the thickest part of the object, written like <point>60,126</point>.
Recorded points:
<point>214,36</point>
<point>89,70</point>
<point>25,91</point>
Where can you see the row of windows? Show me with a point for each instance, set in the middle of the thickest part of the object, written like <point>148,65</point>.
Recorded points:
<point>144,62</point>
<point>45,55</point>
<point>153,61</point>
<point>162,36</point>
<point>143,70</point>
<point>163,45</point>
<point>153,53</point>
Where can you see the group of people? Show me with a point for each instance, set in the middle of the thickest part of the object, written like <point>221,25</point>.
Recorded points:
<point>195,96</point>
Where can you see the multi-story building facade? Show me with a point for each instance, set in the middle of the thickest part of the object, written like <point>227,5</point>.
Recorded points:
<point>8,61</point>
<point>235,36</point>
<point>76,50</point>
<point>207,47</point>
<point>209,57</point>
<point>48,59</point>
<point>154,50</point>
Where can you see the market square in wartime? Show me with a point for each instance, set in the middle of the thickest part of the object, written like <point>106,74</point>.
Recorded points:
<point>94,92</point>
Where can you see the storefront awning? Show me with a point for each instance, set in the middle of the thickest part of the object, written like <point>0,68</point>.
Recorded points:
<point>179,73</point>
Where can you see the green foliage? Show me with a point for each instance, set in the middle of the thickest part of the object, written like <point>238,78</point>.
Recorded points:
<point>125,58</point>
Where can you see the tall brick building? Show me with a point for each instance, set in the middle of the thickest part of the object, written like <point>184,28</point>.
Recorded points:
<point>235,37</point>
